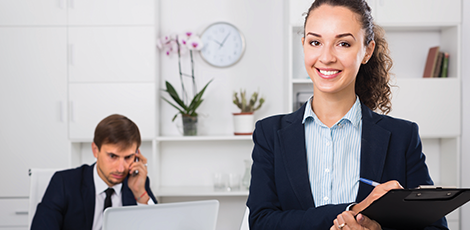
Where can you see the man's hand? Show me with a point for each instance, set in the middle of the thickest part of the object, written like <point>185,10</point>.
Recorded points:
<point>136,182</point>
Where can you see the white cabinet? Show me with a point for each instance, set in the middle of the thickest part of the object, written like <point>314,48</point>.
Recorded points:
<point>33,97</point>
<point>111,12</point>
<point>418,12</point>
<point>298,9</point>
<point>92,58</point>
<point>111,65</point>
<point>77,12</point>
<point>188,163</point>
<point>90,103</point>
<point>34,13</point>
<point>14,214</point>
<point>112,54</point>
<point>432,103</point>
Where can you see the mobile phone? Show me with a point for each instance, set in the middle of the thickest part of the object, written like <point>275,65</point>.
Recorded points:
<point>136,159</point>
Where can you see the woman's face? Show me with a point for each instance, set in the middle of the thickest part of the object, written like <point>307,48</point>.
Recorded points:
<point>334,49</point>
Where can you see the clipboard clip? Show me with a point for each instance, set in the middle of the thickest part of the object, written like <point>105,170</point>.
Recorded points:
<point>429,193</point>
<point>435,187</point>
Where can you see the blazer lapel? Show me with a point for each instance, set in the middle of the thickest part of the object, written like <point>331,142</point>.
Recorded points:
<point>292,143</point>
<point>374,145</point>
<point>127,195</point>
<point>88,195</point>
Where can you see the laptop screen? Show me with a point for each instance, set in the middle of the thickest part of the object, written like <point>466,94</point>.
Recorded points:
<point>169,216</point>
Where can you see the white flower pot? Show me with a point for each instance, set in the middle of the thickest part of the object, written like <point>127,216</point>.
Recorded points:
<point>243,123</point>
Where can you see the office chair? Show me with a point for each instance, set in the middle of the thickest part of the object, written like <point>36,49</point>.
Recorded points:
<point>39,180</point>
<point>245,225</point>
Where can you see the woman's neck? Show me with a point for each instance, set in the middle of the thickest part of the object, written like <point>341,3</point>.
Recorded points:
<point>330,108</point>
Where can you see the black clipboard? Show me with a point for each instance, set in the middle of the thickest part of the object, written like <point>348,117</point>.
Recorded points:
<point>415,208</point>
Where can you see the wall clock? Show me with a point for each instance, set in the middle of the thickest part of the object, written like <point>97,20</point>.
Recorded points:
<point>224,44</point>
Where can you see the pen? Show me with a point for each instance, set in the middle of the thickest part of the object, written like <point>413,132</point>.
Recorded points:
<point>369,182</point>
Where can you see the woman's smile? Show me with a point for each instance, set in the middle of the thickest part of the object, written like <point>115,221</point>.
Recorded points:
<point>328,74</point>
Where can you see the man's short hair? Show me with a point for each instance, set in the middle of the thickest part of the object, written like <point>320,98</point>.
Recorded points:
<point>117,129</point>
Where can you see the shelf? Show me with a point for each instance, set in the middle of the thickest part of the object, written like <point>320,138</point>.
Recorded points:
<point>416,26</point>
<point>400,26</point>
<point>302,81</point>
<point>89,140</point>
<point>185,191</point>
<point>406,80</point>
<point>203,138</point>
<point>182,138</point>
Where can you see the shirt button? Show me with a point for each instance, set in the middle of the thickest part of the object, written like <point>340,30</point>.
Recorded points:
<point>327,170</point>
<point>325,198</point>
<point>327,143</point>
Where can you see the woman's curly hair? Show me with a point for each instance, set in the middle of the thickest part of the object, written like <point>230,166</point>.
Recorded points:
<point>372,81</point>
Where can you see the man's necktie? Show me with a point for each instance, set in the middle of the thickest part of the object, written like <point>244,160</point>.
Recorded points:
<point>107,202</point>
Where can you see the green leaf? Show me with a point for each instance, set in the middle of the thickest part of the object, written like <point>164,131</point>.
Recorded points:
<point>176,107</point>
<point>174,95</point>
<point>174,117</point>
<point>196,102</point>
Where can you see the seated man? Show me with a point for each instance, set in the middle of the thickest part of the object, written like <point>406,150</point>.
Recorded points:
<point>76,198</point>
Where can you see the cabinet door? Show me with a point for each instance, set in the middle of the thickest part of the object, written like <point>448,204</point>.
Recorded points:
<point>111,12</point>
<point>418,12</point>
<point>14,214</point>
<point>91,102</point>
<point>296,10</point>
<point>432,103</point>
<point>33,95</point>
<point>112,54</point>
<point>31,12</point>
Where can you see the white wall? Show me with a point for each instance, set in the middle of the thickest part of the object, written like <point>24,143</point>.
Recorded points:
<point>261,67</point>
<point>465,170</point>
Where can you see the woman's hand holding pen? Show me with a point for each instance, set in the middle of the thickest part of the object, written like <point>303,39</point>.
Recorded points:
<point>138,177</point>
<point>353,219</point>
<point>378,192</point>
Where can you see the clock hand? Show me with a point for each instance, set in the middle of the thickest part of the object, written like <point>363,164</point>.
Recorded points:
<point>216,42</point>
<point>225,39</point>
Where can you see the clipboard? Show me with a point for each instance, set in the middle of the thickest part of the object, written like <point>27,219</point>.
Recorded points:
<point>415,208</point>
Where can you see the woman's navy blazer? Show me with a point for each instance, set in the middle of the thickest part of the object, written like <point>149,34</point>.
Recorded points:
<point>280,195</point>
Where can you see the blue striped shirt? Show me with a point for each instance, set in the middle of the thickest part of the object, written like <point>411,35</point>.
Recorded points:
<point>334,156</point>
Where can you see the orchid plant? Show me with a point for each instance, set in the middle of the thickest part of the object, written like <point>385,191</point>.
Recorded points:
<point>181,44</point>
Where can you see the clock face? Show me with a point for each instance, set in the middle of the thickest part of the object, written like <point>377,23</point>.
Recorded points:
<point>223,44</point>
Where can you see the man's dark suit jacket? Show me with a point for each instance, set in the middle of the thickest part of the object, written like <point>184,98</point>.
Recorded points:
<point>280,195</point>
<point>69,201</point>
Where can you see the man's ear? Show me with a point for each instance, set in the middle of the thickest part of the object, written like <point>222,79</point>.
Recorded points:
<point>95,149</point>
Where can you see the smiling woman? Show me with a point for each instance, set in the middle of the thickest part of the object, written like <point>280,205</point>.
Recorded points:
<point>307,164</point>
<point>333,56</point>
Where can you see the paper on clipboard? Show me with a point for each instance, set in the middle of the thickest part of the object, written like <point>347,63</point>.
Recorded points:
<point>415,208</point>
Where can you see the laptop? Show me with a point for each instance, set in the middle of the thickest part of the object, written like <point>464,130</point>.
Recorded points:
<point>169,216</point>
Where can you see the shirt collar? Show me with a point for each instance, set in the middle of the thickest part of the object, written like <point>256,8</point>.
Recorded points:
<point>100,185</point>
<point>354,115</point>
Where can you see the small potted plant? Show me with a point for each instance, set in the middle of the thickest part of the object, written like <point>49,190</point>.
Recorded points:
<point>244,120</point>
